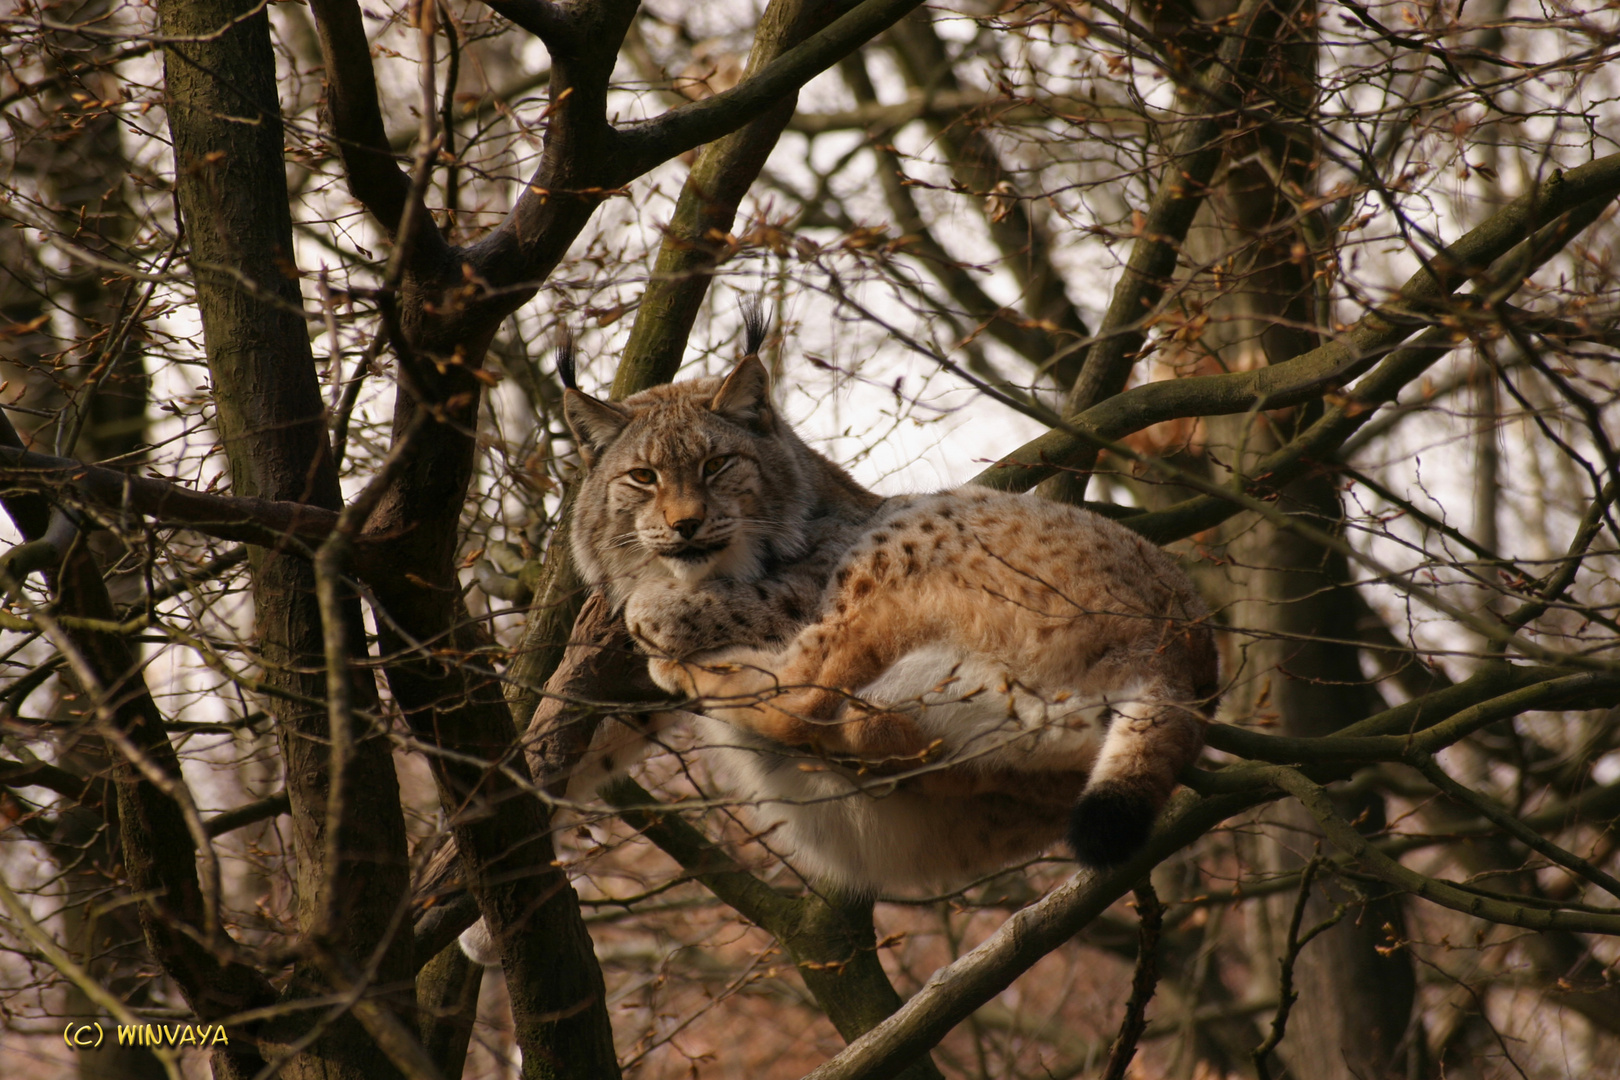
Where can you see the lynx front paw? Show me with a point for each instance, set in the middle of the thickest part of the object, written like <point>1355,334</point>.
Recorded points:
<point>672,675</point>
<point>653,618</point>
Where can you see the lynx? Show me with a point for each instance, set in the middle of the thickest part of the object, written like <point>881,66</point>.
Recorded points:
<point>910,691</point>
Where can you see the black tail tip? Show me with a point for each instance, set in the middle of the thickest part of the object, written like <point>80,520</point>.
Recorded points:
<point>1109,824</point>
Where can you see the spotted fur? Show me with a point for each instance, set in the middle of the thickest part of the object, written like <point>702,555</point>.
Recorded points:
<point>913,690</point>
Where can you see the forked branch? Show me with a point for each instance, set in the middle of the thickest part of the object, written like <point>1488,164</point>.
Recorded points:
<point>545,19</point>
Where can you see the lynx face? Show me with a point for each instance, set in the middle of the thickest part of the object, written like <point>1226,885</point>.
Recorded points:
<point>687,482</point>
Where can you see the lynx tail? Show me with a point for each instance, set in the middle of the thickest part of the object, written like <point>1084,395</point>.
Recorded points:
<point>1150,740</point>
<point>1110,823</point>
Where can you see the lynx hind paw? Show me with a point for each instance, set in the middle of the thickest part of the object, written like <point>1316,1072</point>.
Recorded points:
<point>1110,823</point>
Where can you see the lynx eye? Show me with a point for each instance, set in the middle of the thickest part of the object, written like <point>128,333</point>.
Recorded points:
<point>644,476</point>
<point>715,464</point>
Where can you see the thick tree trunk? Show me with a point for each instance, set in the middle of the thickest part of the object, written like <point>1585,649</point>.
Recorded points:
<point>1354,1017</point>
<point>1284,596</point>
<point>230,177</point>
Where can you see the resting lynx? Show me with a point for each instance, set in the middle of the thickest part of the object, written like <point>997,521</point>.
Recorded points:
<point>915,690</point>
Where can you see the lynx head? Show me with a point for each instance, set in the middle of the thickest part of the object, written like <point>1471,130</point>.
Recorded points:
<point>691,480</point>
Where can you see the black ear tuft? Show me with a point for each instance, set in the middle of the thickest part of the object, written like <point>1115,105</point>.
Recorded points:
<point>1109,824</point>
<point>754,324</point>
<point>565,358</point>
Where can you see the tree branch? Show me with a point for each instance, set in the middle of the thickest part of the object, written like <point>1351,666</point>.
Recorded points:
<point>1021,237</point>
<point>1181,190</point>
<point>375,177</point>
<point>722,174</point>
<point>1501,252</point>
<point>830,939</point>
<point>1143,982</point>
<point>646,145</point>
<point>251,814</point>
<point>545,19</point>
<point>267,522</point>
<point>1499,910</point>
<point>872,115</point>
<point>159,852</point>
<point>956,990</point>
<point>1429,724</point>
<point>1498,816</point>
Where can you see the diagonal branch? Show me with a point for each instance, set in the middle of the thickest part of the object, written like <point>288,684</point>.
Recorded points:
<point>1187,175</point>
<point>1021,236</point>
<point>677,131</point>
<point>375,177</point>
<point>1583,194</point>
<point>956,990</point>
<point>722,174</point>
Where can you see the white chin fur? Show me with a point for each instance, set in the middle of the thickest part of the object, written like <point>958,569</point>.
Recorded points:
<point>738,560</point>
<point>688,572</point>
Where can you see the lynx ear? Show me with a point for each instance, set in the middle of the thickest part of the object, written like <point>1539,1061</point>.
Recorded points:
<point>594,423</point>
<point>745,397</point>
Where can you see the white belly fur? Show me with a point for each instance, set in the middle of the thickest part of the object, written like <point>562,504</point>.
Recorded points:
<point>877,834</point>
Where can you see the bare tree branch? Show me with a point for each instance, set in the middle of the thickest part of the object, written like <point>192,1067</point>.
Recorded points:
<point>545,19</point>
<point>374,175</point>
<point>645,145</point>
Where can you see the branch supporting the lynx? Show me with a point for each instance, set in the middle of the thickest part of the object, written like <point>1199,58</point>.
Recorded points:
<point>1503,910</point>
<point>953,992</point>
<point>646,145</point>
<point>1144,981</point>
<point>600,663</point>
<point>1516,239</point>
<point>829,939</point>
<point>722,174</point>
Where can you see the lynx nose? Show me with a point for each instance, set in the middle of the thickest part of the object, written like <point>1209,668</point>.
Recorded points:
<point>688,527</point>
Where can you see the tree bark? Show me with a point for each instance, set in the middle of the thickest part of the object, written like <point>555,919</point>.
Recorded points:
<point>231,183</point>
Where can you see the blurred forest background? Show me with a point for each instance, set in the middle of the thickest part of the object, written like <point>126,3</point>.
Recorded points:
<point>1320,295</point>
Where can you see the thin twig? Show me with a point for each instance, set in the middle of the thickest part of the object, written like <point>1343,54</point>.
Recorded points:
<point>1286,994</point>
<point>1143,983</point>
